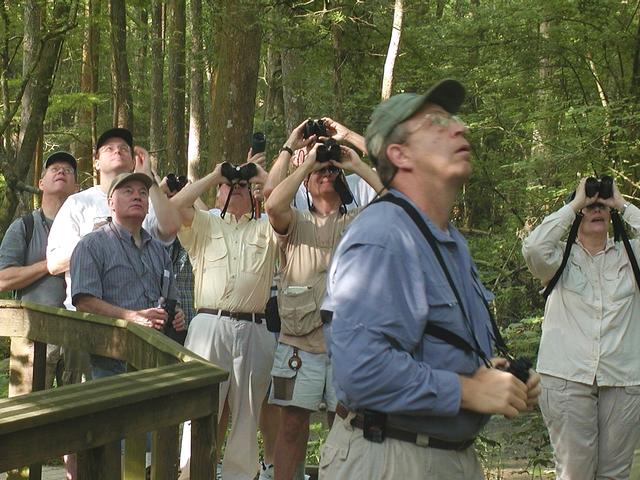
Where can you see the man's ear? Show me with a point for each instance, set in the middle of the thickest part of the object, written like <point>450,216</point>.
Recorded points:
<point>397,156</point>
<point>96,164</point>
<point>40,182</point>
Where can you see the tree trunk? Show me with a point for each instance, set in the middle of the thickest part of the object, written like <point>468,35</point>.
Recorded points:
<point>176,25</point>
<point>339,59</point>
<point>392,52</point>
<point>86,115</point>
<point>196,95</point>
<point>41,76</point>
<point>274,103</point>
<point>122,100</point>
<point>157,85</point>
<point>292,88</point>
<point>238,41</point>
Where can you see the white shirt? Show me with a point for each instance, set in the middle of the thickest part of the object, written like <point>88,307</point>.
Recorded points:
<point>79,215</point>
<point>591,327</point>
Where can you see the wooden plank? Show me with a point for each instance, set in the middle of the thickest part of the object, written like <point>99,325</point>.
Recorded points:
<point>13,322</point>
<point>164,453</point>
<point>106,425</point>
<point>100,463</point>
<point>39,366</point>
<point>67,402</point>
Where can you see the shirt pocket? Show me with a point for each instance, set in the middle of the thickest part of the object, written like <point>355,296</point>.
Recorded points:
<point>442,302</point>
<point>298,307</point>
<point>574,278</point>
<point>254,252</point>
<point>216,252</point>
<point>619,282</point>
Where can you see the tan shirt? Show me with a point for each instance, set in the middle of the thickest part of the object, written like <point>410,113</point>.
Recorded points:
<point>591,328</point>
<point>306,251</point>
<point>233,261</point>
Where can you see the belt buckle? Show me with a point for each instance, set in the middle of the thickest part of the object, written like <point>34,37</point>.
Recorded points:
<point>422,440</point>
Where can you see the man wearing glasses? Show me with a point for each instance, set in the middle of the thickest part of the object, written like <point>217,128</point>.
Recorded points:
<point>23,265</point>
<point>591,382</point>
<point>411,404</point>
<point>85,211</point>
<point>301,371</point>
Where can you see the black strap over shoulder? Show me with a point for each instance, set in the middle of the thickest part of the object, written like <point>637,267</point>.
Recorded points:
<point>434,330</point>
<point>27,221</point>
<point>573,233</point>
<point>619,228</point>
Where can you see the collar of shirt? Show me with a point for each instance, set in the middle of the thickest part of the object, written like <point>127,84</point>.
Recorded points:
<point>125,234</point>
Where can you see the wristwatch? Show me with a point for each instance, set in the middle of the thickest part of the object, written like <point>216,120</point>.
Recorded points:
<point>287,148</point>
<point>624,208</point>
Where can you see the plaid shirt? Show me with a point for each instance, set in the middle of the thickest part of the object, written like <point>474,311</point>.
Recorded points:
<point>184,278</point>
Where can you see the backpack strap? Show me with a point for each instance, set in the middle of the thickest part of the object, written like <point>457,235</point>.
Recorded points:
<point>27,221</point>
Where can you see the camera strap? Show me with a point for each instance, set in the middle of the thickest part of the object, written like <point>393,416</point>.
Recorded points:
<point>573,234</point>
<point>435,330</point>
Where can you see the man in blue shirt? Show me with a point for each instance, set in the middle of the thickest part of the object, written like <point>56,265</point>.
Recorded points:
<point>411,404</point>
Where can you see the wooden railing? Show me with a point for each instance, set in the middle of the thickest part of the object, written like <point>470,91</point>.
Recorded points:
<point>167,386</point>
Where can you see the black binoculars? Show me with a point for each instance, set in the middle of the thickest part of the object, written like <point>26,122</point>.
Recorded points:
<point>169,306</point>
<point>176,183</point>
<point>329,150</point>
<point>603,187</point>
<point>315,127</point>
<point>235,173</point>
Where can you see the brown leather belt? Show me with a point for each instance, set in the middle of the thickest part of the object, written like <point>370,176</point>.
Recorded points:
<point>406,436</point>
<point>247,317</point>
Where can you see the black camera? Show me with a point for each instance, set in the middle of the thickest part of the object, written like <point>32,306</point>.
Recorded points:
<point>258,143</point>
<point>235,173</point>
<point>176,183</point>
<point>169,306</point>
<point>603,187</point>
<point>315,127</point>
<point>329,150</point>
<point>519,368</point>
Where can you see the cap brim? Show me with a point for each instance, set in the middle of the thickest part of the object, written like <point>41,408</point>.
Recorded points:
<point>61,157</point>
<point>125,178</point>
<point>448,93</point>
<point>122,133</point>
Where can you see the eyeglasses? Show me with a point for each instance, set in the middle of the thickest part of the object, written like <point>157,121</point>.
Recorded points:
<point>65,170</point>
<point>441,120</point>
<point>115,148</point>
<point>328,170</point>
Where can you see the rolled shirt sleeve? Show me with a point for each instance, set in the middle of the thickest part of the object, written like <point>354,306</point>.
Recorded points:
<point>85,268</point>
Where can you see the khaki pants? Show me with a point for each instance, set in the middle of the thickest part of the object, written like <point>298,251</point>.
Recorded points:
<point>347,455</point>
<point>245,350</point>
<point>593,430</point>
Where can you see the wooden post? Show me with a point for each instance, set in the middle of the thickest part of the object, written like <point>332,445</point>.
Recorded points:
<point>100,463</point>
<point>20,366</point>
<point>203,448</point>
<point>134,457</point>
<point>164,456</point>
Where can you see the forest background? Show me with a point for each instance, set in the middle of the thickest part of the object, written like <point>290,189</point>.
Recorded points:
<point>553,95</point>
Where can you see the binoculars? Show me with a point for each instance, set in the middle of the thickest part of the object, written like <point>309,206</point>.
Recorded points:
<point>176,183</point>
<point>315,127</point>
<point>329,150</point>
<point>258,143</point>
<point>235,173</point>
<point>603,187</point>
